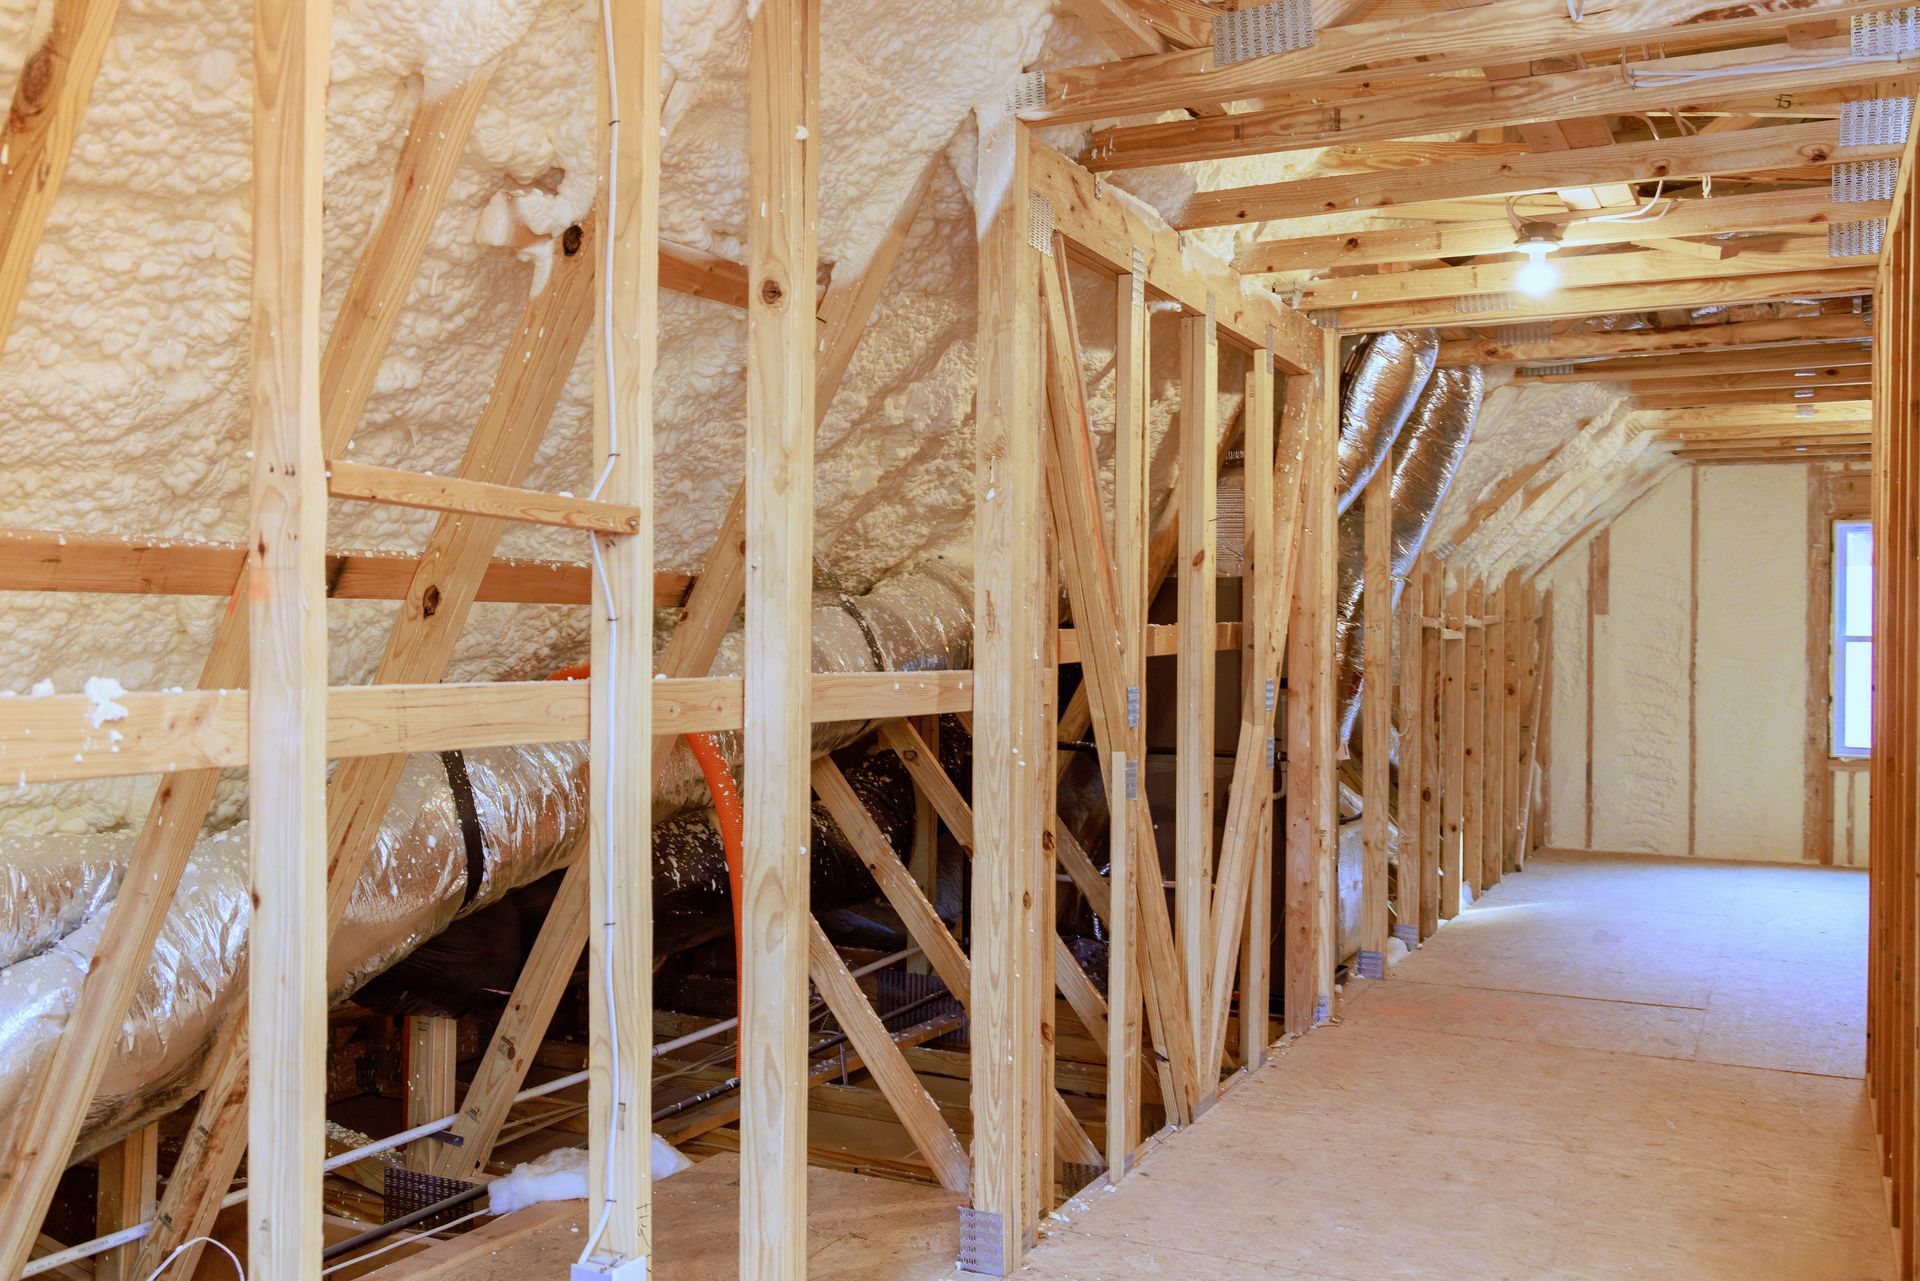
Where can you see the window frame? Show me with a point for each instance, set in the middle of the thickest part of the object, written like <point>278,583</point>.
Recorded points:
<point>1838,639</point>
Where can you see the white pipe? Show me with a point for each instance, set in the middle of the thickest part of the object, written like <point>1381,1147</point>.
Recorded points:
<point>127,1236</point>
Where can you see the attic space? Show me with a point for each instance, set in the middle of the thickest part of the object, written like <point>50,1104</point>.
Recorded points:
<point>1053,634</point>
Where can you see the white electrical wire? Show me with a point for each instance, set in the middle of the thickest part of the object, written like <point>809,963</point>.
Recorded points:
<point>405,1238</point>
<point>184,1246</point>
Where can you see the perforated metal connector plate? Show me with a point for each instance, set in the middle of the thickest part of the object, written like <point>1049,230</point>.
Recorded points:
<point>1861,180</point>
<point>1280,27</point>
<point>1529,331</point>
<point>1322,1009</point>
<point>1370,965</point>
<point>1486,302</point>
<point>1408,934</point>
<point>1875,122</point>
<point>1326,317</point>
<point>1886,35</point>
<point>1544,371</point>
<point>404,1191</point>
<point>1040,223</point>
<point>1852,239</point>
<point>980,1245</point>
<point>1028,92</point>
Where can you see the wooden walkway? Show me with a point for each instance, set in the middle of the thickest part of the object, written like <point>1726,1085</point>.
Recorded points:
<point>1611,1067</point>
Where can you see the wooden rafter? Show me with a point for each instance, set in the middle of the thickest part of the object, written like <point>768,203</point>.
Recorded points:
<point>1813,209</point>
<point>1600,300</point>
<point>1792,331</point>
<point>1349,57</point>
<point>1778,147</point>
<point>1446,104</point>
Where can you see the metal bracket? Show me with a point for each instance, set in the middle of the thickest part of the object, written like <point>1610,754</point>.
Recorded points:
<point>1875,122</point>
<point>1544,371</point>
<point>1855,181</point>
<point>1886,35</point>
<point>980,1243</point>
<point>1133,707</point>
<point>1408,934</point>
<point>1133,780</point>
<point>1040,223</point>
<point>1852,239</point>
<point>1273,692</point>
<point>1322,1009</point>
<point>1273,753</point>
<point>1139,274</point>
<point>1280,27</point>
<point>1370,965</point>
<point>1486,302</point>
<point>1028,92</point>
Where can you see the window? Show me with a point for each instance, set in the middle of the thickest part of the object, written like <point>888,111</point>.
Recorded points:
<point>1852,637</point>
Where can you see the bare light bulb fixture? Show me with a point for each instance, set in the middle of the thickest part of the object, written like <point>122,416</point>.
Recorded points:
<point>1537,277</point>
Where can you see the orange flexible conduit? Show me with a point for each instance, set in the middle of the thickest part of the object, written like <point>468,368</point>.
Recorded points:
<point>726,811</point>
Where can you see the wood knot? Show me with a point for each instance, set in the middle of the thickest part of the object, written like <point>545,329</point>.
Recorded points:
<point>430,601</point>
<point>771,292</point>
<point>570,240</point>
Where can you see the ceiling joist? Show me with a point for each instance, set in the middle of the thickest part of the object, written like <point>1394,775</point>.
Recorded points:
<point>1752,334</point>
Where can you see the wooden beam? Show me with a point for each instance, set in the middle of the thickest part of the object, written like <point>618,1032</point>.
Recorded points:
<point>1781,146</point>
<point>1449,40</point>
<point>1473,750</point>
<point>433,1044</point>
<point>37,560</point>
<point>1607,299</point>
<point>1194,731</point>
<point>1493,738</point>
<point>1376,696</point>
<point>398,488</point>
<point>1817,357</point>
<point>1447,104</point>
<point>1576,272</point>
<point>1008,728</point>
<point>783,178</point>
<point>1811,209</point>
<point>1429,603</point>
<point>1796,331</point>
<point>287,708</point>
<point>41,738</point>
<point>129,1174</point>
<point>1311,815</point>
<point>49,99</point>
<point>1123,993</point>
<point>1106,231</point>
<point>1711,417</point>
<point>1816,393</point>
<point>1453,838</point>
<point>918,1114</point>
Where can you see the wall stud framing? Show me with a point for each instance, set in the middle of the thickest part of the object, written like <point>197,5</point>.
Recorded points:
<point>1376,697</point>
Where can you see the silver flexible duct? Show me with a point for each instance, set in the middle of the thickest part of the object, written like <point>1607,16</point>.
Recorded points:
<point>1425,457</point>
<point>531,807</point>
<point>1392,370</point>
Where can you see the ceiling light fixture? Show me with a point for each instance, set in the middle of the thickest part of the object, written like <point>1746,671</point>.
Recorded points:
<point>1536,239</point>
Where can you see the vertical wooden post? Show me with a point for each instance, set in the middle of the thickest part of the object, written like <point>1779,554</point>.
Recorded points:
<point>1376,695</point>
<point>1132,467</point>
<point>924,858</point>
<point>1453,850</point>
<point>287,616</point>
<point>620,856</point>
<point>128,1192</point>
<point>1310,721</point>
<point>1259,692</point>
<point>1413,756</point>
<point>783,148</point>
<point>1519,689</point>
<point>1431,605</point>
<point>1009,546</point>
<point>433,1046</point>
<point>1493,731</point>
<point>1123,990</point>
<point>1194,733</point>
<point>1473,749</point>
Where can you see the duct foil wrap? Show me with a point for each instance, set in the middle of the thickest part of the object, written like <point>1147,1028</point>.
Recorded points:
<point>1425,458</point>
<point>531,805</point>
<point>1392,371</point>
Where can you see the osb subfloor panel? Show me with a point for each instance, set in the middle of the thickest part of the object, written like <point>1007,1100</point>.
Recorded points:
<point>858,1229</point>
<point>1610,1068</point>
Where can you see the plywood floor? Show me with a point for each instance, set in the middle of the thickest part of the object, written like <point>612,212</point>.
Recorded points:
<point>1610,1068</point>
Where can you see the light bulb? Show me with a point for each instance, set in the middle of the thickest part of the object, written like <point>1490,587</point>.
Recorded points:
<point>1536,277</point>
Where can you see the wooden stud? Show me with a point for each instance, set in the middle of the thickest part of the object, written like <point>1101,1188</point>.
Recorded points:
<point>399,488</point>
<point>1413,755</point>
<point>129,1173</point>
<point>433,1045</point>
<point>1009,539</point>
<point>1265,470</point>
<point>1473,792</point>
<point>1454,845</point>
<point>1123,994</point>
<point>1376,697</point>
<point>1427,728</point>
<point>783,156</point>
<point>1493,760</point>
<point>1194,732</point>
<point>1310,718</point>
<point>286,765</point>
